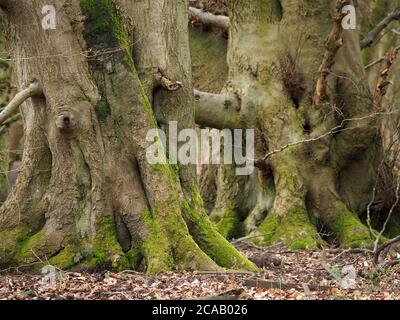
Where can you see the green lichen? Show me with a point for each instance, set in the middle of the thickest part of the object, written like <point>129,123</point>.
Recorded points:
<point>99,15</point>
<point>134,257</point>
<point>38,245</point>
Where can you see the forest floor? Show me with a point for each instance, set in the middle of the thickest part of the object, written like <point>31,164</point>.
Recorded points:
<point>329,274</point>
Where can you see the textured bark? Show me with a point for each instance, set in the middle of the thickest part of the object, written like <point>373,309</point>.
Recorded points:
<point>85,194</point>
<point>274,55</point>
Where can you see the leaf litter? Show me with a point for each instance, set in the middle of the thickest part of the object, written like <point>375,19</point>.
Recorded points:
<point>290,275</point>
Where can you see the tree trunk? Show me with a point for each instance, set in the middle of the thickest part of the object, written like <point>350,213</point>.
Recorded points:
<point>320,163</point>
<point>85,194</point>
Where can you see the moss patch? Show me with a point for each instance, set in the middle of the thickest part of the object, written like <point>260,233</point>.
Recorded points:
<point>230,224</point>
<point>348,228</point>
<point>156,250</point>
<point>106,247</point>
<point>10,244</point>
<point>210,240</point>
<point>294,230</point>
<point>66,258</point>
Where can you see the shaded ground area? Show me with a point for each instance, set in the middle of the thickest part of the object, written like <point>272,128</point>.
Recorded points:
<point>286,275</point>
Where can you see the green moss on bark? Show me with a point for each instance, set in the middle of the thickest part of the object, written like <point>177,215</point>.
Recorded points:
<point>210,240</point>
<point>294,230</point>
<point>230,224</point>
<point>348,228</point>
<point>67,258</point>
<point>157,250</point>
<point>105,246</point>
<point>11,243</point>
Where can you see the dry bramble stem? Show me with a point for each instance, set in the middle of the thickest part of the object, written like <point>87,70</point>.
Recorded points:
<point>383,83</point>
<point>332,44</point>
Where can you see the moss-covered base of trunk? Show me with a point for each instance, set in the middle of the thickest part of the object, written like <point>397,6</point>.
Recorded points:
<point>206,235</point>
<point>230,224</point>
<point>65,250</point>
<point>294,230</point>
<point>348,229</point>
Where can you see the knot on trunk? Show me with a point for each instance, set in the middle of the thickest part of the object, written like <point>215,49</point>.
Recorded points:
<point>65,121</point>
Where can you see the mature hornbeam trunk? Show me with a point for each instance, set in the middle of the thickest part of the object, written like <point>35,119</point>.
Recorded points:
<point>301,83</point>
<point>85,194</point>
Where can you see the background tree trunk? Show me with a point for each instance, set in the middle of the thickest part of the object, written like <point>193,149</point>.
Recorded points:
<point>274,57</point>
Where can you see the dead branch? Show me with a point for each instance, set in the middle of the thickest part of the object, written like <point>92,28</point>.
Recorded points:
<point>33,90</point>
<point>167,83</point>
<point>218,111</point>
<point>382,82</point>
<point>209,19</point>
<point>332,44</point>
<point>389,216</point>
<point>373,34</point>
<point>383,247</point>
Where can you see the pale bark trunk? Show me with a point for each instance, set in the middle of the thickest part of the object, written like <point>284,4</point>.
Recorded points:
<point>86,194</point>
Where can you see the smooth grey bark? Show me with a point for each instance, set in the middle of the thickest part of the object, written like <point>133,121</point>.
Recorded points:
<point>218,111</point>
<point>209,19</point>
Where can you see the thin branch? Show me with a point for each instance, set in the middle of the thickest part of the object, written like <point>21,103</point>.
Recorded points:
<point>333,131</point>
<point>218,111</point>
<point>389,216</point>
<point>396,32</point>
<point>332,44</point>
<point>33,90</point>
<point>381,59</point>
<point>384,246</point>
<point>209,19</point>
<point>373,34</point>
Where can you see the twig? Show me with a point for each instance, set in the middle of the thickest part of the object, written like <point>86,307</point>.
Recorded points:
<point>378,237</point>
<point>334,130</point>
<point>384,246</point>
<point>381,59</point>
